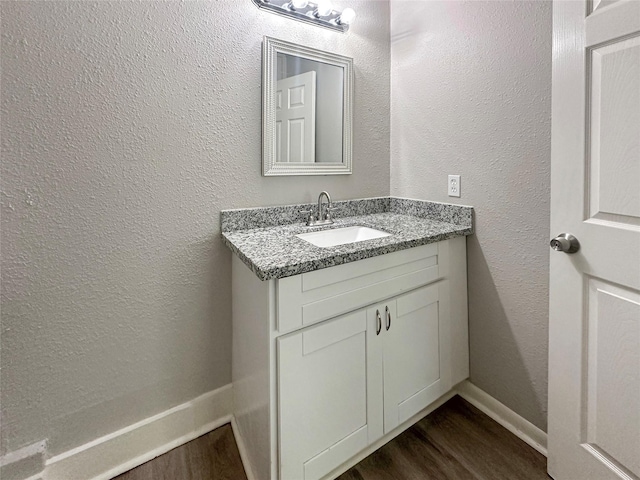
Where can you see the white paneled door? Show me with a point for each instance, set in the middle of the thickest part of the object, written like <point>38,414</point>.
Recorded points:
<point>594,324</point>
<point>296,118</point>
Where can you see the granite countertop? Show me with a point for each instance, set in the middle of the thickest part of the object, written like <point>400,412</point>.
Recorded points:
<point>274,251</point>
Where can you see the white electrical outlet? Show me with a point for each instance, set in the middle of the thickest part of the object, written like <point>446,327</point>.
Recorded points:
<point>454,185</point>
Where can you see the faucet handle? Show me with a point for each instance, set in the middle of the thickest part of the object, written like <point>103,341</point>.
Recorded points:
<point>309,216</point>
<point>328,209</point>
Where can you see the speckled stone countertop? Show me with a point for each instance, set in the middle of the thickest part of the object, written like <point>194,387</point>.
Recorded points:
<point>272,250</point>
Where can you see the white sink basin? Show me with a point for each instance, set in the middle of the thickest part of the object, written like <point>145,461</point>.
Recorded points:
<point>341,236</point>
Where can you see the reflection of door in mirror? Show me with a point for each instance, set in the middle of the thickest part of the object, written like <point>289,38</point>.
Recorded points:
<point>328,118</point>
<point>295,118</point>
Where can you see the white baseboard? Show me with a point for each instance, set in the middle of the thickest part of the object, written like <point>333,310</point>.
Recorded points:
<point>113,454</point>
<point>24,463</point>
<point>502,414</point>
<point>242,449</point>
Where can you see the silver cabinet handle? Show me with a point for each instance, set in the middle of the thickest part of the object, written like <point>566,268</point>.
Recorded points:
<point>565,242</point>
<point>388,312</point>
<point>378,322</point>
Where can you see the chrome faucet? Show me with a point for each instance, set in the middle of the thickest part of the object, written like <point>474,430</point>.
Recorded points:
<point>326,218</point>
<point>322,219</point>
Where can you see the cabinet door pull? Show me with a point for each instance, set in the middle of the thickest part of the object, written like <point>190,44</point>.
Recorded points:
<point>378,322</point>
<point>386,309</point>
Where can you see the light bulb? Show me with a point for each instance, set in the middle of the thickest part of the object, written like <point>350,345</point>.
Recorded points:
<point>296,4</point>
<point>324,8</point>
<point>347,16</point>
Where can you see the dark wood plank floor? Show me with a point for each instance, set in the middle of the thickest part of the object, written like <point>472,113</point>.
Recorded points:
<point>213,456</point>
<point>455,442</point>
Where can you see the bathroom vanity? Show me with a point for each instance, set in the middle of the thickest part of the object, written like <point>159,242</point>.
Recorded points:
<point>338,349</point>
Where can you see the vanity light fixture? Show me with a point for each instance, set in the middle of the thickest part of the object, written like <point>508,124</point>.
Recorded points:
<point>321,13</point>
<point>347,17</point>
<point>298,4</point>
<point>323,9</point>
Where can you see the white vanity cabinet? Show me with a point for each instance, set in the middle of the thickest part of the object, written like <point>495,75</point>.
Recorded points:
<point>330,363</point>
<point>324,381</point>
<point>345,383</point>
<point>411,360</point>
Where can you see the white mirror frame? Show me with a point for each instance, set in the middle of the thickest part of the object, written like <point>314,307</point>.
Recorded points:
<point>270,49</point>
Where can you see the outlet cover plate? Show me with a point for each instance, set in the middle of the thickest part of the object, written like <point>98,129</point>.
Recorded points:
<point>453,185</point>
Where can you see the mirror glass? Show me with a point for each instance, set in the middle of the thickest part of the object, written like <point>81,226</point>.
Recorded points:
<point>309,102</point>
<point>306,110</point>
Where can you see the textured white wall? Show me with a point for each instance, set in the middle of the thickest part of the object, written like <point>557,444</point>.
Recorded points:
<point>471,95</point>
<point>126,127</point>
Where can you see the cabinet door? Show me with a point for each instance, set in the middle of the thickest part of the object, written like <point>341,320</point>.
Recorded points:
<point>322,396</point>
<point>415,352</point>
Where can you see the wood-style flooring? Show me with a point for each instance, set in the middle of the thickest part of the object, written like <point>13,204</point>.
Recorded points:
<point>213,456</point>
<point>458,442</point>
<point>455,442</point>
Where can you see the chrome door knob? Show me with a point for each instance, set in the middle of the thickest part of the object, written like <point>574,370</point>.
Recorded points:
<point>565,242</point>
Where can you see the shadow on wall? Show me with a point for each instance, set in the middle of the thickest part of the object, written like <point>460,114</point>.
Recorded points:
<point>494,346</point>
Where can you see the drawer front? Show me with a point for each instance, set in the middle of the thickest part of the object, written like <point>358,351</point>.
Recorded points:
<point>316,296</point>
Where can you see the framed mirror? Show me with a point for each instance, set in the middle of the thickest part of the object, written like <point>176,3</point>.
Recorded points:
<point>307,111</point>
